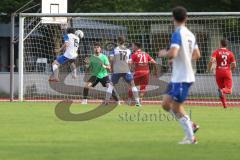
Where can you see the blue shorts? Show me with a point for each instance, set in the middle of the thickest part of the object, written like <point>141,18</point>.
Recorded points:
<point>128,77</point>
<point>62,59</point>
<point>178,91</point>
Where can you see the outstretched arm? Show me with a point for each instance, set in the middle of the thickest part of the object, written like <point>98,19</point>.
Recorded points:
<point>213,60</point>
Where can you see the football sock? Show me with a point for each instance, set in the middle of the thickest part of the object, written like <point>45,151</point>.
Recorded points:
<point>135,94</point>
<point>186,124</point>
<point>130,94</point>
<point>109,92</point>
<point>85,93</point>
<point>55,70</point>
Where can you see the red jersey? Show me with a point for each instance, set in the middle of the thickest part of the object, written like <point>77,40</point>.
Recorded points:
<point>224,58</point>
<point>141,61</point>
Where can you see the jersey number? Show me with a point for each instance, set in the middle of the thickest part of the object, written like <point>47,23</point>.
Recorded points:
<point>143,58</point>
<point>224,62</point>
<point>123,55</point>
<point>76,43</point>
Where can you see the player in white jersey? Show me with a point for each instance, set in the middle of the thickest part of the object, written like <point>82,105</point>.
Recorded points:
<point>182,50</point>
<point>120,60</point>
<point>70,48</point>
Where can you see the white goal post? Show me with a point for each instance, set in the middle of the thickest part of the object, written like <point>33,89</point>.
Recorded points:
<point>153,30</point>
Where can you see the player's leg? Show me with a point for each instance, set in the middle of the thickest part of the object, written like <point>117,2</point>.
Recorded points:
<point>137,80</point>
<point>55,67</point>
<point>227,84</point>
<point>177,93</point>
<point>105,81</point>
<point>110,88</point>
<point>73,68</point>
<point>143,84</point>
<point>129,79</point>
<point>221,94</point>
<point>92,82</point>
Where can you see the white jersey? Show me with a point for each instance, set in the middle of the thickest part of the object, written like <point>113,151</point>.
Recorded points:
<point>72,47</point>
<point>121,58</point>
<point>183,39</point>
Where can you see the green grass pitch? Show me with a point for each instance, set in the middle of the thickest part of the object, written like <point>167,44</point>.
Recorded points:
<point>31,131</point>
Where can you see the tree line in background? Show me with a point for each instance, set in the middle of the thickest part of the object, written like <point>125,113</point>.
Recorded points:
<point>9,6</point>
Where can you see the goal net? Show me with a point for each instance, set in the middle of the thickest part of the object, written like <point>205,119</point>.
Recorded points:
<point>38,41</point>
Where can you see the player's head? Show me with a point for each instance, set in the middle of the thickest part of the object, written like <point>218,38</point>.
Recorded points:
<point>179,14</point>
<point>136,46</point>
<point>71,30</point>
<point>121,40</point>
<point>97,48</point>
<point>224,43</point>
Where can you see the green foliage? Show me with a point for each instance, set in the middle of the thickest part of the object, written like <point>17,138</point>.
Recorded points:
<point>9,6</point>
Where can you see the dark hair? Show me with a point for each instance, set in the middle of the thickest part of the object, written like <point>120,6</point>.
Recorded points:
<point>137,44</point>
<point>121,40</point>
<point>97,44</point>
<point>224,43</point>
<point>179,14</point>
<point>71,30</point>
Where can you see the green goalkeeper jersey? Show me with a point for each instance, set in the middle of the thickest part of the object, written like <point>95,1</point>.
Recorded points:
<point>96,65</point>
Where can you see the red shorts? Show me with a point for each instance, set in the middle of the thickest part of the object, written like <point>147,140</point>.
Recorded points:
<point>141,79</point>
<point>224,80</point>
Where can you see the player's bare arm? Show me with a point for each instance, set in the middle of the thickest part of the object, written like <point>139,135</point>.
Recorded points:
<point>196,54</point>
<point>63,48</point>
<point>233,66</point>
<point>155,66</point>
<point>171,53</point>
<point>212,60</point>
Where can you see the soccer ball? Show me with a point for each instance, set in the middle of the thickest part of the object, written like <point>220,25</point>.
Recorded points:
<point>79,33</point>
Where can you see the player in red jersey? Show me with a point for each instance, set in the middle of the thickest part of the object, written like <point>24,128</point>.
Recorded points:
<point>225,64</point>
<point>140,61</point>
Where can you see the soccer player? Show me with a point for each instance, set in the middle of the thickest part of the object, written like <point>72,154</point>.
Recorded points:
<point>120,60</point>
<point>70,47</point>
<point>99,66</point>
<point>225,62</point>
<point>140,61</point>
<point>182,50</point>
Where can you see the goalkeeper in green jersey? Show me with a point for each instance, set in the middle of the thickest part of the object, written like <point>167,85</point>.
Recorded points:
<point>99,65</point>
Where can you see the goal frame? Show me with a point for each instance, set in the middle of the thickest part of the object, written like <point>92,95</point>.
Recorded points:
<point>22,16</point>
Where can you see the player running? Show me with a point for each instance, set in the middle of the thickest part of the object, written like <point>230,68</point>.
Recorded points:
<point>99,66</point>
<point>120,60</point>
<point>140,61</point>
<point>225,64</point>
<point>182,50</point>
<point>70,47</point>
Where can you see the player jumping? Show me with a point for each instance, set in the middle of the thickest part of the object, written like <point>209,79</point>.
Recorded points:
<point>225,62</point>
<point>70,47</point>
<point>182,50</point>
<point>99,66</point>
<point>140,61</point>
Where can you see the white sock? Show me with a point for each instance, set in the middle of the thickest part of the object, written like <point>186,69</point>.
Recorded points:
<point>109,92</point>
<point>54,67</point>
<point>75,72</point>
<point>135,94</point>
<point>187,126</point>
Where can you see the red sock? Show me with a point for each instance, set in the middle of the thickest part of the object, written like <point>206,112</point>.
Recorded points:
<point>223,100</point>
<point>130,94</point>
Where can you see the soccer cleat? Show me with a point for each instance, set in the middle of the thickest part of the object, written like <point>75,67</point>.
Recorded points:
<point>118,103</point>
<point>188,141</point>
<point>54,80</point>
<point>84,101</point>
<point>195,127</point>
<point>138,104</point>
